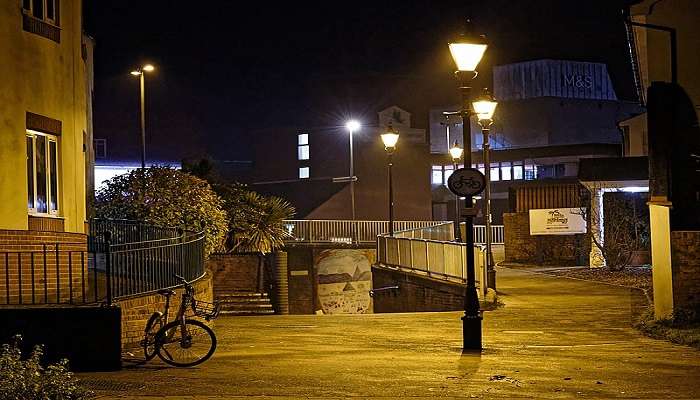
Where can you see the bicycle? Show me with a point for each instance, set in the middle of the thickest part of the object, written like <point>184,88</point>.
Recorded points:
<point>182,342</point>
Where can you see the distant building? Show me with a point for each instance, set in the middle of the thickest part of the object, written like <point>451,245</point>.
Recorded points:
<point>551,114</point>
<point>310,168</point>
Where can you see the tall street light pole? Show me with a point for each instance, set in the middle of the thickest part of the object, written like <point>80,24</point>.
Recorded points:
<point>390,138</point>
<point>141,74</point>
<point>352,126</point>
<point>484,107</point>
<point>456,153</point>
<point>467,51</point>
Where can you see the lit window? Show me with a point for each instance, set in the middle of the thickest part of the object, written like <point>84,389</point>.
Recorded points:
<point>42,173</point>
<point>530,172</point>
<point>303,152</point>
<point>505,171</point>
<point>494,174</point>
<point>303,139</point>
<point>437,175</point>
<point>480,167</point>
<point>517,170</point>
<point>448,172</point>
<point>303,172</point>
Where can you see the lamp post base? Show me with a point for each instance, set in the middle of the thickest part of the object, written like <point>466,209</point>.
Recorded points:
<point>471,333</point>
<point>491,278</point>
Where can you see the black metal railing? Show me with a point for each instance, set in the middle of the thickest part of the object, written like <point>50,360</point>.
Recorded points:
<point>57,273</point>
<point>113,265</point>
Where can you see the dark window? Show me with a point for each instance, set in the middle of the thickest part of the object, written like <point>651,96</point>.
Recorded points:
<point>38,8</point>
<point>100,148</point>
<point>27,4</point>
<point>50,10</point>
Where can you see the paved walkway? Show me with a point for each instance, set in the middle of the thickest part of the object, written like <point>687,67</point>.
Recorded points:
<point>554,338</point>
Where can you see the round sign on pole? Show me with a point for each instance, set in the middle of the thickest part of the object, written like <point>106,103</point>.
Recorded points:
<point>465,182</point>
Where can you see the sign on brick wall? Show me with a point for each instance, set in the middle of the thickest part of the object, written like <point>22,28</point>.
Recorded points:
<point>557,221</point>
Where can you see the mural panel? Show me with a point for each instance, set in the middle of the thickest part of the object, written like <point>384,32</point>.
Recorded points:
<point>344,280</point>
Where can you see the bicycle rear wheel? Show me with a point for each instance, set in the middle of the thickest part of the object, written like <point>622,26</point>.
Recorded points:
<point>155,322</point>
<point>185,349</point>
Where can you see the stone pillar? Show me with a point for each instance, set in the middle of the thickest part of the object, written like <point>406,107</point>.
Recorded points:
<point>281,282</point>
<point>662,273</point>
<point>596,259</point>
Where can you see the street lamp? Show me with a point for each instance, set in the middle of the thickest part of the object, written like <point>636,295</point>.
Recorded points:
<point>456,153</point>
<point>484,107</point>
<point>141,72</point>
<point>352,126</point>
<point>467,51</point>
<point>390,138</point>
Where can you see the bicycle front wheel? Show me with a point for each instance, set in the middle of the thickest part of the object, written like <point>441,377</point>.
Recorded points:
<point>185,346</point>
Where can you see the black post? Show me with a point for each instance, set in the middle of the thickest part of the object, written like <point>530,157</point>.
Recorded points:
<point>471,321</point>
<point>458,231</point>
<point>108,267</point>
<point>391,193</point>
<point>490,271</point>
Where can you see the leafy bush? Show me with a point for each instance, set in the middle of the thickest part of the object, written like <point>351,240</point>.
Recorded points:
<point>167,197</point>
<point>256,222</point>
<point>27,379</point>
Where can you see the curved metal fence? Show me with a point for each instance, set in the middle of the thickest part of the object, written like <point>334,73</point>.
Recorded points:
<point>123,258</point>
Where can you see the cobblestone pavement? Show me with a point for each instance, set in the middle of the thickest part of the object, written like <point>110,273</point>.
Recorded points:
<point>554,338</point>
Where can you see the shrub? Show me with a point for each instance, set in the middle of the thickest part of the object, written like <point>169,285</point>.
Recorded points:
<point>167,197</point>
<point>27,379</point>
<point>256,222</point>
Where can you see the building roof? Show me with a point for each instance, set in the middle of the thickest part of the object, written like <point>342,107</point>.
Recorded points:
<point>613,169</point>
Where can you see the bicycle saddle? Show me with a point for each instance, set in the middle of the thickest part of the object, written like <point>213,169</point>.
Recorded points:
<point>166,292</point>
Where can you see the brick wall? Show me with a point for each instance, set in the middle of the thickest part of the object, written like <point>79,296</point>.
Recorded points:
<point>23,256</point>
<point>521,247</point>
<point>136,310</point>
<point>685,261</point>
<point>415,293</point>
<point>234,272</point>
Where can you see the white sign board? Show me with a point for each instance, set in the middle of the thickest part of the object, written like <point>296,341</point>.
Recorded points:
<point>557,221</point>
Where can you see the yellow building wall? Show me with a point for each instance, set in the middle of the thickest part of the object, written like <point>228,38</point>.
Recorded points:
<point>41,76</point>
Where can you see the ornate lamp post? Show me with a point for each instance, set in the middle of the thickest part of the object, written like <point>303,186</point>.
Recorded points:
<point>141,73</point>
<point>467,51</point>
<point>390,138</point>
<point>456,153</point>
<point>484,107</point>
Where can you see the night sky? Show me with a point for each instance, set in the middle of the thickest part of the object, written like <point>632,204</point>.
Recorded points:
<point>227,68</point>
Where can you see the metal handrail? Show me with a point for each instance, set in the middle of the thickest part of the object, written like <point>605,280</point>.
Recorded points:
<point>346,231</point>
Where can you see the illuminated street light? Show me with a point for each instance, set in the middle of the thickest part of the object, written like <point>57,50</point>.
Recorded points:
<point>390,138</point>
<point>484,107</point>
<point>467,51</point>
<point>141,74</point>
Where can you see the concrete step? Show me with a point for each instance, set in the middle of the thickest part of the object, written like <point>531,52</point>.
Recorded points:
<point>245,303</point>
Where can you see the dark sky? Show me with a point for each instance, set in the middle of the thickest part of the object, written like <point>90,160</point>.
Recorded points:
<point>226,68</point>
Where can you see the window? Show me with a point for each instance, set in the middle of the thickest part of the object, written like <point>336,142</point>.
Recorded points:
<point>100,146</point>
<point>45,10</point>
<point>437,175</point>
<point>303,146</point>
<point>505,171</point>
<point>517,170</point>
<point>449,169</point>
<point>530,172</point>
<point>494,173</point>
<point>480,167</point>
<point>42,173</point>
<point>304,172</point>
